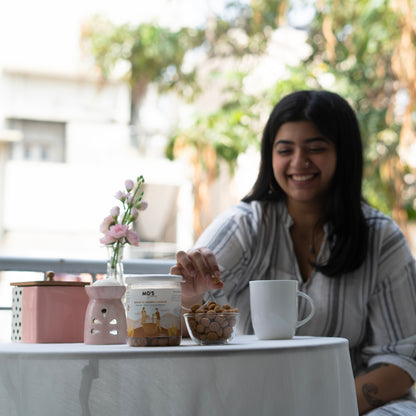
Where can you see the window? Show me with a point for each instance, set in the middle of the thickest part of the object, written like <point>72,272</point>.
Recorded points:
<point>43,141</point>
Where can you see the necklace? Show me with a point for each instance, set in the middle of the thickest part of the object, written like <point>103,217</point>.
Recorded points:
<point>314,238</point>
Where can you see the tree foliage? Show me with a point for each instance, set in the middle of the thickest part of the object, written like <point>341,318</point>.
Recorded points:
<point>148,54</point>
<point>363,49</point>
<point>366,45</point>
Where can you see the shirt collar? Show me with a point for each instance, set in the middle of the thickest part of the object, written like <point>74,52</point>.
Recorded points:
<point>287,220</point>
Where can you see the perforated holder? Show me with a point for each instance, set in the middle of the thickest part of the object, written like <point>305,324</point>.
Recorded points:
<point>17,304</point>
<point>105,318</point>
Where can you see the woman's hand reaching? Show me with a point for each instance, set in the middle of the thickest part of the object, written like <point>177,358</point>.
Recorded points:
<point>200,271</point>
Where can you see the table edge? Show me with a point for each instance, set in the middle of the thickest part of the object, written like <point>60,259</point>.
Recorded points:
<point>242,343</point>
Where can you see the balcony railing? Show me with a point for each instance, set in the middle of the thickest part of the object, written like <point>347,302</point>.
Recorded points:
<point>80,266</point>
<point>77,266</point>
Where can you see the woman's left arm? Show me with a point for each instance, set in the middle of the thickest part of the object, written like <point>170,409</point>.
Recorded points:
<point>379,384</point>
<point>390,353</point>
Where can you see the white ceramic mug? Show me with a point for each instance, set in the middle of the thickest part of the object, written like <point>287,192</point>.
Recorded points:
<point>274,308</point>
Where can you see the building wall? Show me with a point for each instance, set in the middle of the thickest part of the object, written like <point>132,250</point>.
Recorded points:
<point>55,208</point>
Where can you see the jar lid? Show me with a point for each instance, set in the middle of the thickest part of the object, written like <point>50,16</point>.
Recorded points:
<point>152,277</point>
<point>46,283</point>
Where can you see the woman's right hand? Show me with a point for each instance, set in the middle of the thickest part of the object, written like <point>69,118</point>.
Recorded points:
<point>200,272</point>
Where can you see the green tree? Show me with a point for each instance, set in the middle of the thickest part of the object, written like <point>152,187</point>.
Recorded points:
<point>369,48</point>
<point>155,55</point>
<point>214,138</point>
<point>365,50</point>
<point>150,54</point>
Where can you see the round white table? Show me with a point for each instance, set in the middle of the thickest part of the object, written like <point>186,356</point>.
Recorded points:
<point>304,376</point>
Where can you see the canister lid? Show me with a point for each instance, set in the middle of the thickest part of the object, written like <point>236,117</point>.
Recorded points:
<point>132,278</point>
<point>50,282</point>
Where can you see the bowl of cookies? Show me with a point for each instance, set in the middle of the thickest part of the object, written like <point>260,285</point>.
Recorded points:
<point>211,323</point>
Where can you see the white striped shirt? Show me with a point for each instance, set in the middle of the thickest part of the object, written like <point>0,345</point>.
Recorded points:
<point>373,307</point>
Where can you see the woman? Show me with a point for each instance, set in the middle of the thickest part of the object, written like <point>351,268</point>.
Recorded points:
<point>305,219</point>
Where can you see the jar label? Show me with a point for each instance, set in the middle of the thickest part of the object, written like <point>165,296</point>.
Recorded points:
<point>153,312</point>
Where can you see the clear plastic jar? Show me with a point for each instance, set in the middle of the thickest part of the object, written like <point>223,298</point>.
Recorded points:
<point>153,309</point>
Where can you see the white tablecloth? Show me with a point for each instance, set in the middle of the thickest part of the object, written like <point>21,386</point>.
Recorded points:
<point>304,376</point>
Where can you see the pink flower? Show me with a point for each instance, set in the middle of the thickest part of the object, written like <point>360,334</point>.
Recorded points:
<point>107,239</point>
<point>115,211</point>
<point>106,224</point>
<point>134,213</point>
<point>143,205</point>
<point>118,231</point>
<point>115,226</point>
<point>129,184</point>
<point>121,196</point>
<point>132,238</point>
<point>114,233</point>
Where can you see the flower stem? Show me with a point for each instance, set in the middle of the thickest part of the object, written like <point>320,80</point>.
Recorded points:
<point>127,213</point>
<point>115,257</point>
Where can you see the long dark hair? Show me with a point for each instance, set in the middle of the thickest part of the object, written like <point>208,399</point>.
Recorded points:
<point>336,120</point>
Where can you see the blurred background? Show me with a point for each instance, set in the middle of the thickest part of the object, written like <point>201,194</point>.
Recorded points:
<point>96,92</point>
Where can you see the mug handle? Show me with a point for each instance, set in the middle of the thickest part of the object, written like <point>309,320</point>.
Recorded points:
<point>311,313</point>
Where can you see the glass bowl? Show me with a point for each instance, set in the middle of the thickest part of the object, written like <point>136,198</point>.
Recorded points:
<point>212,328</point>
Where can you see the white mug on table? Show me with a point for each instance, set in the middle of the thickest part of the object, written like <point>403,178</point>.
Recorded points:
<point>274,308</point>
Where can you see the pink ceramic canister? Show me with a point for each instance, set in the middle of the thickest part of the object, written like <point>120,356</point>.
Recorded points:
<point>48,311</point>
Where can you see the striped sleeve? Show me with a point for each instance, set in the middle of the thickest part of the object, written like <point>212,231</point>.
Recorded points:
<point>229,237</point>
<point>234,239</point>
<point>392,305</point>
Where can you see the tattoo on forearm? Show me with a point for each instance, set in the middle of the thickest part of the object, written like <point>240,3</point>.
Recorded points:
<point>369,391</point>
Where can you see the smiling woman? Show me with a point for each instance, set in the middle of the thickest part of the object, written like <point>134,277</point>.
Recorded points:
<point>305,220</point>
<point>300,118</point>
<point>303,163</point>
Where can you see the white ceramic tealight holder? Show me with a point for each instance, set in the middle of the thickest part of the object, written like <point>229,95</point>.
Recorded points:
<point>105,317</point>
